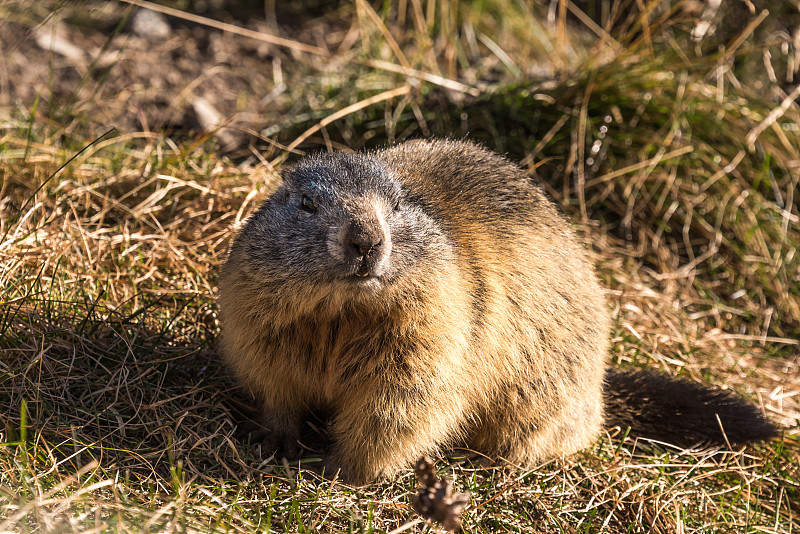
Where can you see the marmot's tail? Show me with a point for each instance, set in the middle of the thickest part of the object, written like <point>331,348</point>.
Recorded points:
<point>680,412</point>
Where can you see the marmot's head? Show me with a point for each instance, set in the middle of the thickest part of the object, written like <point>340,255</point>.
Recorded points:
<point>342,226</point>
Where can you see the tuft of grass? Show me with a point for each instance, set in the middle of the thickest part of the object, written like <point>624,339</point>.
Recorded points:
<point>679,172</point>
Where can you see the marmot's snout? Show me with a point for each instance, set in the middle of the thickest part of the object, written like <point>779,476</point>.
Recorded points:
<point>366,241</point>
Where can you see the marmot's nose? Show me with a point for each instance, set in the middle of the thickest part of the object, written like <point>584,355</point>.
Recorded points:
<point>363,241</point>
<point>366,242</point>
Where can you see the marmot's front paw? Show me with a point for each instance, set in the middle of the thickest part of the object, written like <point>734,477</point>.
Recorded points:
<point>274,442</point>
<point>277,441</point>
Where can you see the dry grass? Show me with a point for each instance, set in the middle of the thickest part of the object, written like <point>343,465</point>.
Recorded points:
<point>117,414</point>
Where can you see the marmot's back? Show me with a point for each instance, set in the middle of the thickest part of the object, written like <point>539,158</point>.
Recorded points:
<point>543,308</point>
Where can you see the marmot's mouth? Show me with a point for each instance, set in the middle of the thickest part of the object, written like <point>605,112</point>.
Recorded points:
<point>367,269</point>
<point>358,278</point>
<point>368,280</point>
<point>363,271</point>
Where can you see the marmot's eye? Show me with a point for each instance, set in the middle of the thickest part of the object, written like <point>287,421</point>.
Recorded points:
<point>396,206</point>
<point>308,205</point>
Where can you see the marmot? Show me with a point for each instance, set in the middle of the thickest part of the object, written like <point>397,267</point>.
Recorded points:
<point>429,295</point>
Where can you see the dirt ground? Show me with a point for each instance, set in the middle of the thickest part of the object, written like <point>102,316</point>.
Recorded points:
<point>117,66</point>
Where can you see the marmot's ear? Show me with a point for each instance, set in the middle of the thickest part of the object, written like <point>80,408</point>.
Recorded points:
<point>287,171</point>
<point>282,192</point>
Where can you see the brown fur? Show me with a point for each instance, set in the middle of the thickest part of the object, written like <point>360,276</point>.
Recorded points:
<point>426,295</point>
